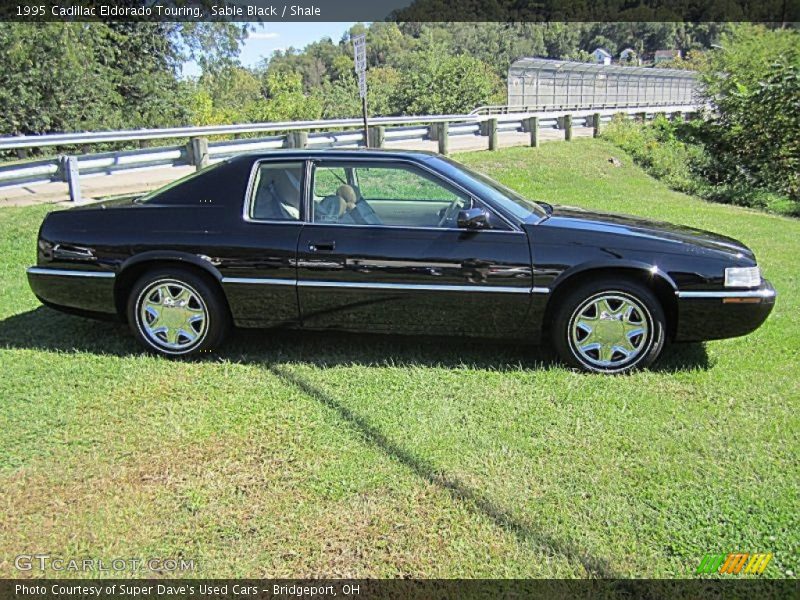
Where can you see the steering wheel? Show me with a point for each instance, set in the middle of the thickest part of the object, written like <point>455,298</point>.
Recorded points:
<point>450,214</point>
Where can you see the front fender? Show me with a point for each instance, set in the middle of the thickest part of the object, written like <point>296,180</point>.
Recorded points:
<point>640,267</point>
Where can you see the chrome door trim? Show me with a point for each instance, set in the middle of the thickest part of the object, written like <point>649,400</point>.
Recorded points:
<point>417,287</point>
<point>388,286</point>
<point>69,273</point>
<point>259,280</point>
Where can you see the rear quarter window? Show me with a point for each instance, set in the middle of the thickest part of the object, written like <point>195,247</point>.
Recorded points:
<point>221,184</point>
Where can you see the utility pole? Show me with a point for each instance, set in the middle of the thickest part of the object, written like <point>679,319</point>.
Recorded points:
<point>360,57</point>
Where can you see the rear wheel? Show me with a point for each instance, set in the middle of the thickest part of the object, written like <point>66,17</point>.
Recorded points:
<point>609,326</point>
<point>175,312</point>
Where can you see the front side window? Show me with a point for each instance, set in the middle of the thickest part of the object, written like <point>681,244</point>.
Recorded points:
<point>378,194</point>
<point>277,192</point>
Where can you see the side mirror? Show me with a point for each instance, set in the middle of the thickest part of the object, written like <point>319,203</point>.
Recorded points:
<point>473,218</point>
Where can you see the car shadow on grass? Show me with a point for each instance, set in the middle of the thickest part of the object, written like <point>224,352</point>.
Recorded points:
<point>472,498</point>
<point>50,330</point>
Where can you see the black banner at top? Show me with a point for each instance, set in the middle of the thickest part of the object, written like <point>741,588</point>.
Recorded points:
<point>765,11</point>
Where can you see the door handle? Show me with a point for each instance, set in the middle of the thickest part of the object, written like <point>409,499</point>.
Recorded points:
<point>321,246</point>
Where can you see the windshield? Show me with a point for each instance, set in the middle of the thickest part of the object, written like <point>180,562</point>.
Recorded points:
<point>499,194</point>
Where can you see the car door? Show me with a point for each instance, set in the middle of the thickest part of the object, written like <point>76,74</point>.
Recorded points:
<point>258,264</point>
<point>381,252</point>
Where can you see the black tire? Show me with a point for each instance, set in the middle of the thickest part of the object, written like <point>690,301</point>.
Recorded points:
<point>197,296</point>
<point>580,306</point>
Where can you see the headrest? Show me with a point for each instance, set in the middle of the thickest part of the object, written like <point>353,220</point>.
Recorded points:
<point>347,193</point>
<point>347,198</point>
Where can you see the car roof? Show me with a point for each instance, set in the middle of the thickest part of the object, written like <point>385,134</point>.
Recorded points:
<point>419,155</point>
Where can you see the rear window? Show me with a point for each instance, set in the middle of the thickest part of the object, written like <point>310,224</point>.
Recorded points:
<point>162,193</point>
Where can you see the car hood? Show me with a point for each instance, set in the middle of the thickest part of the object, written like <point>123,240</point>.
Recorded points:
<point>626,225</point>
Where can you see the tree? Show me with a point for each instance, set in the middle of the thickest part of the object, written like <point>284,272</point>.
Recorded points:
<point>753,80</point>
<point>77,76</point>
<point>284,100</point>
<point>57,77</point>
<point>340,99</point>
<point>434,82</point>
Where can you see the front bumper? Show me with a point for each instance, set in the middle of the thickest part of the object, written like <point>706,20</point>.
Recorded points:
<point>717,314</point>
<point>80,291</point>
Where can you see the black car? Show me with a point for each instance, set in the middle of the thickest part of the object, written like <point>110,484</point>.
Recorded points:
<point>394,242</point>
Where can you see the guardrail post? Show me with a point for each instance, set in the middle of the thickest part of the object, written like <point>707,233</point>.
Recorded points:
<point>568,127</point>
<point>377,136</point>
<point>296,139</point>
<point>198,152</point>
<point>596,125</point>
<point>531,124</point>
<point>433,131</point>
<point>71,174</point>
<point>642,116</point>
<point>443,131</point>
<point>492,132</point>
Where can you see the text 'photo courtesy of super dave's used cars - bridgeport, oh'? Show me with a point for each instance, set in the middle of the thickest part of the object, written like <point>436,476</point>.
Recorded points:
<point>392,242</point>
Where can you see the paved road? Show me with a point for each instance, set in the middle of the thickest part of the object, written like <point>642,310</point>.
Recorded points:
<point>133,182</point>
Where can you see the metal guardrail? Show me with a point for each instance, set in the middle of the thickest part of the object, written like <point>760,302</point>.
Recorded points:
<point>93,137</point>
<point>338,133</point>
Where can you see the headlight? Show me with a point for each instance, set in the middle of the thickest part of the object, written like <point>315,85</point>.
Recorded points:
<point>743,277</point>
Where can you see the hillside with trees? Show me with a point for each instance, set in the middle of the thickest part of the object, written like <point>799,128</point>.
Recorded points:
<point>84,76</point>
<point>419,68</point>
<point>90,76</point>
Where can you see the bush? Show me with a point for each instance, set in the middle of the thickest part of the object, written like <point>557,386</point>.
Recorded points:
<point>676,152</point>
<point>434,82</point>
<point>657,148</point>
<point>753,82</point>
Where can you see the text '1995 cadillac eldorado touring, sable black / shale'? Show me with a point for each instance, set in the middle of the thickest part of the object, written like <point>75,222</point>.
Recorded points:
<point>392,242</point>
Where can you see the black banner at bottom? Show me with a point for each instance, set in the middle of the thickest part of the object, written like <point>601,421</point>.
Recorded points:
<point>252,589</point>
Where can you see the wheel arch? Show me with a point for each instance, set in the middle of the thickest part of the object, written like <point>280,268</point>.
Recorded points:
<point>656,280</point>
<point>133,268</point>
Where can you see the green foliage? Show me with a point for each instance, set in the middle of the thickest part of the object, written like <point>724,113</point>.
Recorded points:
<point>340,99</point>
<point>754,83</point>
<point>495,44</point>
<point>436,83</point>
<point>658,150</point>
<point>747,150</point>
<point>285,101</point>
<point>52,78</point>
<point>58,77</point>
<point>677,153</point>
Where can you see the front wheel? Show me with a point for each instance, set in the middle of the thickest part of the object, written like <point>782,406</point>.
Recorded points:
<point>609,326</point>
<point>175,312</point>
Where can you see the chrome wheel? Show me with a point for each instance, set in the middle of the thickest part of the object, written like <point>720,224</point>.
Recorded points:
<point>610,331</point>
<point>172,316</point>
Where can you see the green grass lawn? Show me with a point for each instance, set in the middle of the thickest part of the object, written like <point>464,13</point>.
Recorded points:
<point>325,455</point>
